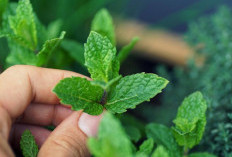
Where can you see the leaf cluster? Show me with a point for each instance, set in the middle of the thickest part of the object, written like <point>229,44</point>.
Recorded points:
<point>162,141</point>
<point>107,89</point>
<point>28,40</point>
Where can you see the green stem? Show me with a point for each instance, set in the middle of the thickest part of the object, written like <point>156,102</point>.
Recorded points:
<point>104,98</point>
<point>186,151</point>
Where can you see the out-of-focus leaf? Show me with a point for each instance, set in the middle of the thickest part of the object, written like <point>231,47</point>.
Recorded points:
<point>124,52</point>
<point>3,6</point>
<point>160,152</point>
<point>54,28</point>
<point>75,49</point>
<point>103,24</point>
<point>133,133</point>
<point>111,141</point>
<point>23,24</point>
<point>146,147</point>
<point>162,135</point>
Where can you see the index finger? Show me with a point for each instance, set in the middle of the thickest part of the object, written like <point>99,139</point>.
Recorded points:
<point>22,84</point>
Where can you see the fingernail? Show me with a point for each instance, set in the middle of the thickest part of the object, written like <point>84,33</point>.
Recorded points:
<point>89,124</point>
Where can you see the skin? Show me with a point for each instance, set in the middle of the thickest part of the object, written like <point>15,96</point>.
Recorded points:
<point>27,102</point>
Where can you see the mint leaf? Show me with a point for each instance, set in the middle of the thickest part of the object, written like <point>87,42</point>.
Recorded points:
<point>201,155</point>
<point>42,34</point>
<point>23,24</point>
<point>190,120</point>
<point>103,24</point>
<point>75,50</point>
<point>28,145</point>
<point>100,58</point>
<point>20,55</point>
<point>133,90</point>
<point>54,28</point>
<point>124,52</point>
<point>146,147</point>
<point>162,135</point>
<point>160,152</point>
<point>111,141</point>
<point>3,6</point>
<point>133,133</point>
<point>80,94</point>
<point>47,49</point>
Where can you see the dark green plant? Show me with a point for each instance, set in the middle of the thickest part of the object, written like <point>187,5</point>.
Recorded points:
<point>211,38</point>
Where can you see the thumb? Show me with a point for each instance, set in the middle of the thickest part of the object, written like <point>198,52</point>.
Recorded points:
<point>69,138</point>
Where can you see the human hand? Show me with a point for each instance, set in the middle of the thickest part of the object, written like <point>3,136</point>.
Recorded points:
<point>27,102</point>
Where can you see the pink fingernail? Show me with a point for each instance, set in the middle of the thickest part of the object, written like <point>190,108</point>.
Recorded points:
<point>89,124</point>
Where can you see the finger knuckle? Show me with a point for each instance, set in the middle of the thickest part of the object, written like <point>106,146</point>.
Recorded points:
<point>70,145</point>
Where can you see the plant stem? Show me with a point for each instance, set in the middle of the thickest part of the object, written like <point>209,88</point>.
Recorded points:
<point>104,98</point>
<point>186,151</point>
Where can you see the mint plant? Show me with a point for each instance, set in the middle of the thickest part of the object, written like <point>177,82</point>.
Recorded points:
<point>190,121</point>
<point>108,89</point>
<point>162,141</point>
<point>28,40</point>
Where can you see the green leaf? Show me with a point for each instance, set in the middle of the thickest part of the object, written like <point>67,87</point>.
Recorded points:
<point>80,94</point>
<point>160,152</point>
<point>190,120</point>
<point>103,24</point>
<point>48,47</point>
<point>28,145</point>
<point>54,28</point>
<point>124,52</point>
<point>111,141</point>
<point>146,147</point>
<point>23,24</point>
<point>133,133</point>
<point>75,49</point>
<point>133,90</point>
<point>10,10</point>
<point>162,135</point>
<point>3,6</point>
<point>20,55</point>
<point>100,58</point>
<point>42,36</point>
<point>201,155</point>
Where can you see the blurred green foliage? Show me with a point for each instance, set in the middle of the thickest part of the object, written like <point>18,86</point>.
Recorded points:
<point>211,38</point>
<point>74,17</point>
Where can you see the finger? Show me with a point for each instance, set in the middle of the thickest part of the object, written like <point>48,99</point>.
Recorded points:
<point>40,134</point>
<point>20,85</point>
<point>44,114</point>
<point>5,150</point>
<point>69,138</point>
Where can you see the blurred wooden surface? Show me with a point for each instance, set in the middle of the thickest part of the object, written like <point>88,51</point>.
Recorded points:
<point>154,44</point>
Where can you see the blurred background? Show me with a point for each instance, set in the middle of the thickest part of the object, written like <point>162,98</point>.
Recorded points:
<point>187,42</point>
